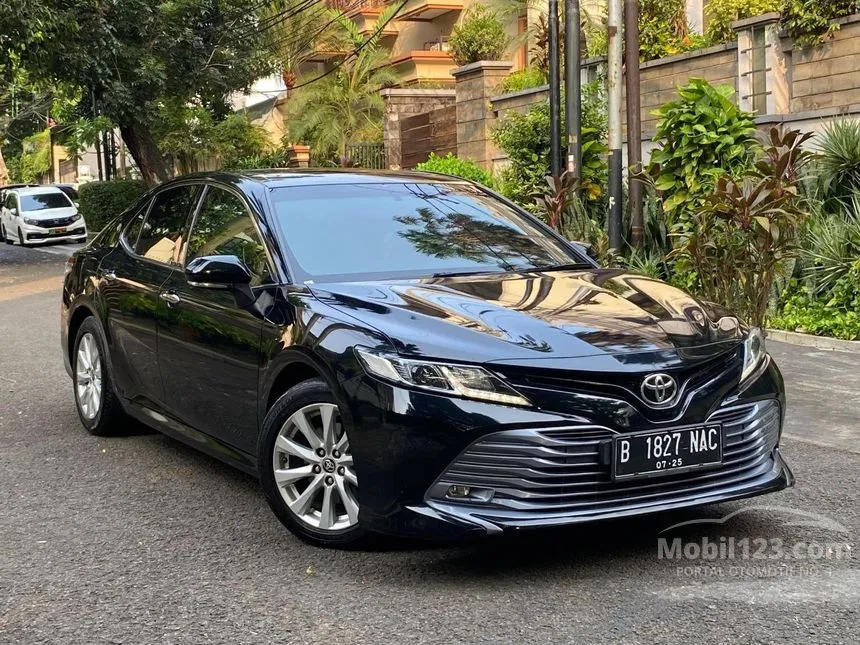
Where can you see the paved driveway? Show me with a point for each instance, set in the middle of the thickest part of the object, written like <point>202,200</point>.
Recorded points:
<point>143,540</point>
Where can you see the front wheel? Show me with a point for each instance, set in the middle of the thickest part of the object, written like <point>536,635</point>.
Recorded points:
<point>306,467</point>
<point>98,406</point>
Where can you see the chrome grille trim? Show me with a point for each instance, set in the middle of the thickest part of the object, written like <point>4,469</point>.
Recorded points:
<point>529,471</point>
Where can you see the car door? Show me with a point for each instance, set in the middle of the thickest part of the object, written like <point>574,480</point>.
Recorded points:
<point>130,283</point>
<point>209,347</point>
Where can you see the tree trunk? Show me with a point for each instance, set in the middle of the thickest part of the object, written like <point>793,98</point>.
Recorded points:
<point>4,172</point>
<point>141,145</point>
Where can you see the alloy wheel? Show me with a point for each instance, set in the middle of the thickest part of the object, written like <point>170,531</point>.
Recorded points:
<point>88,376</point>
<point>313,468</point>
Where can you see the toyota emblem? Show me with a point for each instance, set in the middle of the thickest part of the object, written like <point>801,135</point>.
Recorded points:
<point>659,390</point>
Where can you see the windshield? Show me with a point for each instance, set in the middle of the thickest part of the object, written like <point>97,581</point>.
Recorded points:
<point>382,230</point>
<point>44,201</point>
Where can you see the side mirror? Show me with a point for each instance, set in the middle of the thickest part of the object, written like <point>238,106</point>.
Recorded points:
<point>13,212</point>
<point>217,271</point>
<point>586,248</point>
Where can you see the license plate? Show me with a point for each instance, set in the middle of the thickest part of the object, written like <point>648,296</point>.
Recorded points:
<point>666,451</point>
<point>58,230</point>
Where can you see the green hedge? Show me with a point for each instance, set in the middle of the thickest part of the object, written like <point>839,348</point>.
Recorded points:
<point>453,165</point>
<point>101,201</point>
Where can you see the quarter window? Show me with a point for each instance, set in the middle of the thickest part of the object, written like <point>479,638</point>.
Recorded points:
<point>161,234</point>
<point>224,227</point>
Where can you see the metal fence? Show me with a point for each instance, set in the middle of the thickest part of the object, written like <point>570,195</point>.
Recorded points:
<point>366,155</point>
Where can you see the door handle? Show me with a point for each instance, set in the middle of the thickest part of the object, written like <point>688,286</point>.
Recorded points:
<point>170,297</point>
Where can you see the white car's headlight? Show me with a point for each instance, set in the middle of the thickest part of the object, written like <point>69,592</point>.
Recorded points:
<point>467,381</point>
<point>31,222</point>
<point>754,352</point>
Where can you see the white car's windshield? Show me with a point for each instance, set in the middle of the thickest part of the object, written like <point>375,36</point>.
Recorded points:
<point>43,201</point>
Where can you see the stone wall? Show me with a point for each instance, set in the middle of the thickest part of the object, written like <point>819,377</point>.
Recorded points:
<point>828,76</point>
<point>434,131</point>
<point>402,103</point>
<point>475,85</point>
<point>660,78</point>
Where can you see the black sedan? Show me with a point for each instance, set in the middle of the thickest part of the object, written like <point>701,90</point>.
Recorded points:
<point>411,354</point>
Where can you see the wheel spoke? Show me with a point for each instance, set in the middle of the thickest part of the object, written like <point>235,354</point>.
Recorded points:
<point>343,443</point>
<point>328,517</point>
<point>287,445</point>
<point>306,429</point>
<point>345,460</point>
<point>329,426</point>
<point>301,503</point>
<point>349,502</point>
<point>288,476</point>
<point>349,476</point>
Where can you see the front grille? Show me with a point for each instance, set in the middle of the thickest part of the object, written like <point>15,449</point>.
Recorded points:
<point>560,470</point>
<point>60,221</point>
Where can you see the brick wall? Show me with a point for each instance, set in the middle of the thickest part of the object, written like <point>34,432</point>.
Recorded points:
<point>401,104</point>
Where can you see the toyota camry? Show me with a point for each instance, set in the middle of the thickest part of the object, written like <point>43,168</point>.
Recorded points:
<point>411,354</point>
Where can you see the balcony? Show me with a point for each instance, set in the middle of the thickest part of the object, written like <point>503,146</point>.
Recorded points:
<point>428,9</point>
<point>422,66</point>
<point>365,19</point>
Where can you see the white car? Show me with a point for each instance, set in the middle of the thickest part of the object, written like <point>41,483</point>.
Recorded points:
<point>38,214</point>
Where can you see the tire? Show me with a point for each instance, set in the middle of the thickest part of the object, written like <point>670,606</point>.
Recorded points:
<point>308,484</point>
<point>3,236</point>
<point>107,419</point>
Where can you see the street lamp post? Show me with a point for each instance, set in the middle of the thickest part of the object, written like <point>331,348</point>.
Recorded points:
<point>554,92</point>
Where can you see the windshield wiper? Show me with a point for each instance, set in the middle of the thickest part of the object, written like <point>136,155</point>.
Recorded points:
<point>561,267</point>
<point>455,274</point>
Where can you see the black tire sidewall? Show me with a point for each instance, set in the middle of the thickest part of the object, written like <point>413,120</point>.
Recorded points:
<point>305,393</point>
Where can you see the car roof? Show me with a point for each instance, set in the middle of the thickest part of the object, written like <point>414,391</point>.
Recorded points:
<point>36,190</point>
<point>281,177</point>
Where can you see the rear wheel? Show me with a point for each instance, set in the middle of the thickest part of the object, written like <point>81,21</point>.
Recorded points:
<point>98,406</point>
<point>3,236</point>
<point>306,467</point>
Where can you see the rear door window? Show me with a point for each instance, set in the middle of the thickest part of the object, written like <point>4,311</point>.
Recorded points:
<point>161,234</point>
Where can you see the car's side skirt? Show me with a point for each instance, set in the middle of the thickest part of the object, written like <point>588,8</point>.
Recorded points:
<point>194,438</point>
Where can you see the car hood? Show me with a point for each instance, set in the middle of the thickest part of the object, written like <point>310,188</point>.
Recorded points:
<point>51,213</point>
<point>538,316</point>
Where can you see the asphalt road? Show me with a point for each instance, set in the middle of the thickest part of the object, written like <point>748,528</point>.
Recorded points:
<point>143,540</point>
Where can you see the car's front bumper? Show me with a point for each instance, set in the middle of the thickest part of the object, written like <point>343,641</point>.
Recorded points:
<point>33,234</point>
<point>529,468</point>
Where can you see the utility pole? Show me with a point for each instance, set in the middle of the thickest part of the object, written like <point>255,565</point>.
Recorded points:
<point>554,92</point>
<point>572,90</point>
<point>614,123</point>
<point>634,122</point>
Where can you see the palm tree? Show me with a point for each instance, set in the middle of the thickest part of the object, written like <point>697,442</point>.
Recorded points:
<point>292,30</point>
<point>344,106</point>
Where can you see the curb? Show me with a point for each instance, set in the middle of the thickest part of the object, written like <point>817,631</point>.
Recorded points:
<point>818,342</point>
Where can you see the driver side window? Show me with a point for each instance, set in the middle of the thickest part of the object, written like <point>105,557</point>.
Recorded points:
<point>224,227</point>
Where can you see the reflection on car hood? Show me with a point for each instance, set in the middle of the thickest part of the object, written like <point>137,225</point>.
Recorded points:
<point>540,315</point>
<point>51,213</point>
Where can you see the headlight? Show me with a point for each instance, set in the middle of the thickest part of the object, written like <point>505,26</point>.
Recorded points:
<point>467,381</point>
<point>754,352</point>
<point>31,222</point>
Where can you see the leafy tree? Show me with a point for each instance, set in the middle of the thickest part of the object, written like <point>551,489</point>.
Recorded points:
<point>129,56</point>
<point>345,106</point>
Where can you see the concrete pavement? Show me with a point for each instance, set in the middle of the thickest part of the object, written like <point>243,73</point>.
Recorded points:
<point>143,540</point>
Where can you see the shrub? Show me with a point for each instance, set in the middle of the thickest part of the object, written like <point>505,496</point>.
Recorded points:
<point>481,36</point>
<point>838,168</point>
<point>523,79</point>
<point>835,314</point>
<point>525,139</point>
<point>274,159</point>
<point>101,201</point>
<point>702,136</point>
<point>809,21</point>
<point>663,29</point>
<point>722,13</point>
<point>451,164</point>
<point>747,229</point>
